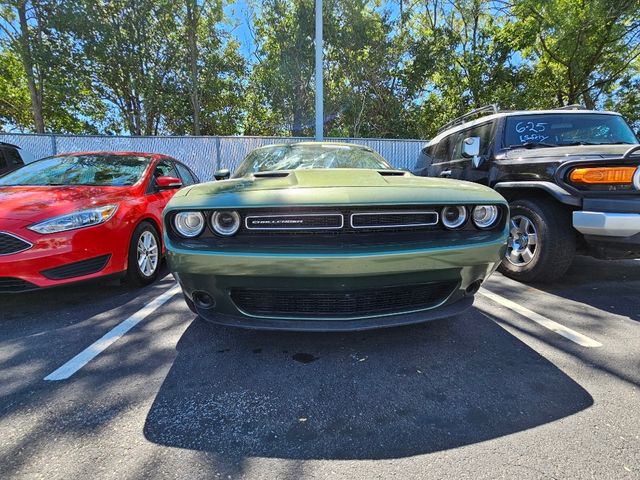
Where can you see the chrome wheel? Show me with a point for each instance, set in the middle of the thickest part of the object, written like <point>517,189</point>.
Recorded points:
<point>147,254</point>
<point>523,241</point>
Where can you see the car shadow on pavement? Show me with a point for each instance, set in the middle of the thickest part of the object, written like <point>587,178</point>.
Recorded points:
<point>610,286</point>
<point>371,395</point>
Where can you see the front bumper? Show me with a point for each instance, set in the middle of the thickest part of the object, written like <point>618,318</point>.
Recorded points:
<point>607,224</point>
<point>217,273</point>
<point>62,258</point>
<point>610,226</point>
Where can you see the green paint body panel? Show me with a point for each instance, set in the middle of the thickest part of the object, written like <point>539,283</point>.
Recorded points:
<point>332,268</point>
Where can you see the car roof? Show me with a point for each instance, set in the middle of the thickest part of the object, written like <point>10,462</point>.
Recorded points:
<point>116,154</point>
<point>512,113</point>
<point>5,144</point>
<point>355,146</point>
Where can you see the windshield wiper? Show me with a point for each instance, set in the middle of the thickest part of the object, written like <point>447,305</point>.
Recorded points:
<point>532,145</point>
<point>575,144</point>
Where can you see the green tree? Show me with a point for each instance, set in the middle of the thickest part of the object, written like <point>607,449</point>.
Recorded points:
<point>462,57</point>
<point>59,93</point>
<point>580,49</point>
<point>15,103</point>
<point>282,77</point>
<point>212,70</point>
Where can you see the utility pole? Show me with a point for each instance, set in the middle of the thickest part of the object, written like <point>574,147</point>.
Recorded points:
<point>319,74</point>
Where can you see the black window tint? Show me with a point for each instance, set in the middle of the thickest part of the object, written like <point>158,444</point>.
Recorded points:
<point>424,160</point>
<point>185,174</point>
<point>164,168</point>
<point>485,132</point>
<point>3,162</point>
<point>442,150</point>
<point>12,157</point>
<point>457,144</point>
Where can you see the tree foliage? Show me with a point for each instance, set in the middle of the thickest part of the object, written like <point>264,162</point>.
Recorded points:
<point>392,69</point>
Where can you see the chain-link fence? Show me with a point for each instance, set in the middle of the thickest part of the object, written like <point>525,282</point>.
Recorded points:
<point>203,154</point>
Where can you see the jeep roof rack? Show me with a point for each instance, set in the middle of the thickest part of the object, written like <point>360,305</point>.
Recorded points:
<point>488,109</point>
<point>574,106</point>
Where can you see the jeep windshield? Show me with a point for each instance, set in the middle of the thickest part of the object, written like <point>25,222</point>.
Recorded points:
<point>564,129</point>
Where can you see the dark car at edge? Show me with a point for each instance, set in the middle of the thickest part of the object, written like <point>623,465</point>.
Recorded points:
<point>571,176</point>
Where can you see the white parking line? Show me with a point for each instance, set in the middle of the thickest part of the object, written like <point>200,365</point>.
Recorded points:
<point>112,336</point>
<point>566,332</point>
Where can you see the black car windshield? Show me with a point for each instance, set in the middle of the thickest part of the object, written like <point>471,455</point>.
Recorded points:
<point>294,157</point>
<point>557,129</point>
<point>97,170</point>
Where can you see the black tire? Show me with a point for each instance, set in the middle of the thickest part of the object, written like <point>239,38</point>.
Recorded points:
<point>554,248</point>
<point>135,276</point>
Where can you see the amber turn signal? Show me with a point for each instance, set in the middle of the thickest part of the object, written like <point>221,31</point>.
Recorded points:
<point>602,175</point>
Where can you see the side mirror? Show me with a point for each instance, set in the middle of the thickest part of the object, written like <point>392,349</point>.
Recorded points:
<point>166,183</point>
<point>471,147</point>
<point>222,174</point>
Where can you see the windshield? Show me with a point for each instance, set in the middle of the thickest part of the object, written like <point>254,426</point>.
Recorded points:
<point>98,170</point>
<point>294,157</point>
<point>567,129</point>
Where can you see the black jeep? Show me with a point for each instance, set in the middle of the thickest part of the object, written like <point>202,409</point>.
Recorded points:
<point>10,158</point>
<point>571,176</point>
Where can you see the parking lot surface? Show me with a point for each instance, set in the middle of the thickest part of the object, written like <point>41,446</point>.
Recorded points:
<point>104,381</point>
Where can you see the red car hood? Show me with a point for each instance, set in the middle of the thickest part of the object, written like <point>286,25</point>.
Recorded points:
<point>33,204</point>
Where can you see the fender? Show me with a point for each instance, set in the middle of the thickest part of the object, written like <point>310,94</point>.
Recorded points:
<point>557,192</point>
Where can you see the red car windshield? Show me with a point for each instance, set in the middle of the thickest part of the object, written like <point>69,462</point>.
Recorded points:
<point>96,170</point>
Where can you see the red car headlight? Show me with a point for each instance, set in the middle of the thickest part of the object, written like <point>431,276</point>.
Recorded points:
<point>75,220</point>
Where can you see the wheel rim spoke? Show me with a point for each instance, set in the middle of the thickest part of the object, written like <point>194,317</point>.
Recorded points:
<point>522,242</point>
<point>527,255</point>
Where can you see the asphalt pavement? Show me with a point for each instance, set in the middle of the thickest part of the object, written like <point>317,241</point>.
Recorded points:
<point>105,381</point>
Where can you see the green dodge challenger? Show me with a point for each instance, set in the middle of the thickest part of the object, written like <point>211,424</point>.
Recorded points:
<point>328,236</point>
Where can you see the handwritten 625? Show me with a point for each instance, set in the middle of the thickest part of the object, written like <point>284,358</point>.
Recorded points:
<point>539,127</point>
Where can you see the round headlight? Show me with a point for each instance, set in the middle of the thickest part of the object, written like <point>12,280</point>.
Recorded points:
<point>225,223</point>
<point>485,216</point>
<point>454,216</point>
<point>189,224</point>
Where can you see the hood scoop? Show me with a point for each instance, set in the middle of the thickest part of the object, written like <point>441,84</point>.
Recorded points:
<point>392,173</point>
<point>271,174</point>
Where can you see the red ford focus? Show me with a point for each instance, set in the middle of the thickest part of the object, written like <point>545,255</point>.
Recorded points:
<point>80,216</point>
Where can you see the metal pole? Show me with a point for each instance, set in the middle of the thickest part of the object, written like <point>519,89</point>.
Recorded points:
<point>319,74</point>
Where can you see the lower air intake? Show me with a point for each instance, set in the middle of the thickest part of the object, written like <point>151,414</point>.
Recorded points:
<point>77,269</point>
<point>343,303</point>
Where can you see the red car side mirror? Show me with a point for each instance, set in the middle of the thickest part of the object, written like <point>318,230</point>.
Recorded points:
<point>165,183</point>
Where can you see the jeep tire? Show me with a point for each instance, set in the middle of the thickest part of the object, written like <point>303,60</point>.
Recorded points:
<point>542,242</point>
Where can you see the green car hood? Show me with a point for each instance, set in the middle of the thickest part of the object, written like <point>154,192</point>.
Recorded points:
<point>315,187</point>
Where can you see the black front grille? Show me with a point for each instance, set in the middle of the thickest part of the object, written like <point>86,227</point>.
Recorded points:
<point>343,303</point>
<point>393,219</point>
<point>13,285</point>
<point>77,269</point>
<point>10,244</point>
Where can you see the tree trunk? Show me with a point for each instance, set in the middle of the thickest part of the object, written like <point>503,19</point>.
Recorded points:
<point>192,36</point>
<point>27,61</point>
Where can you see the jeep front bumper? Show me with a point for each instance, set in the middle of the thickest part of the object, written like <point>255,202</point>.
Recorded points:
<point>607,224</point>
